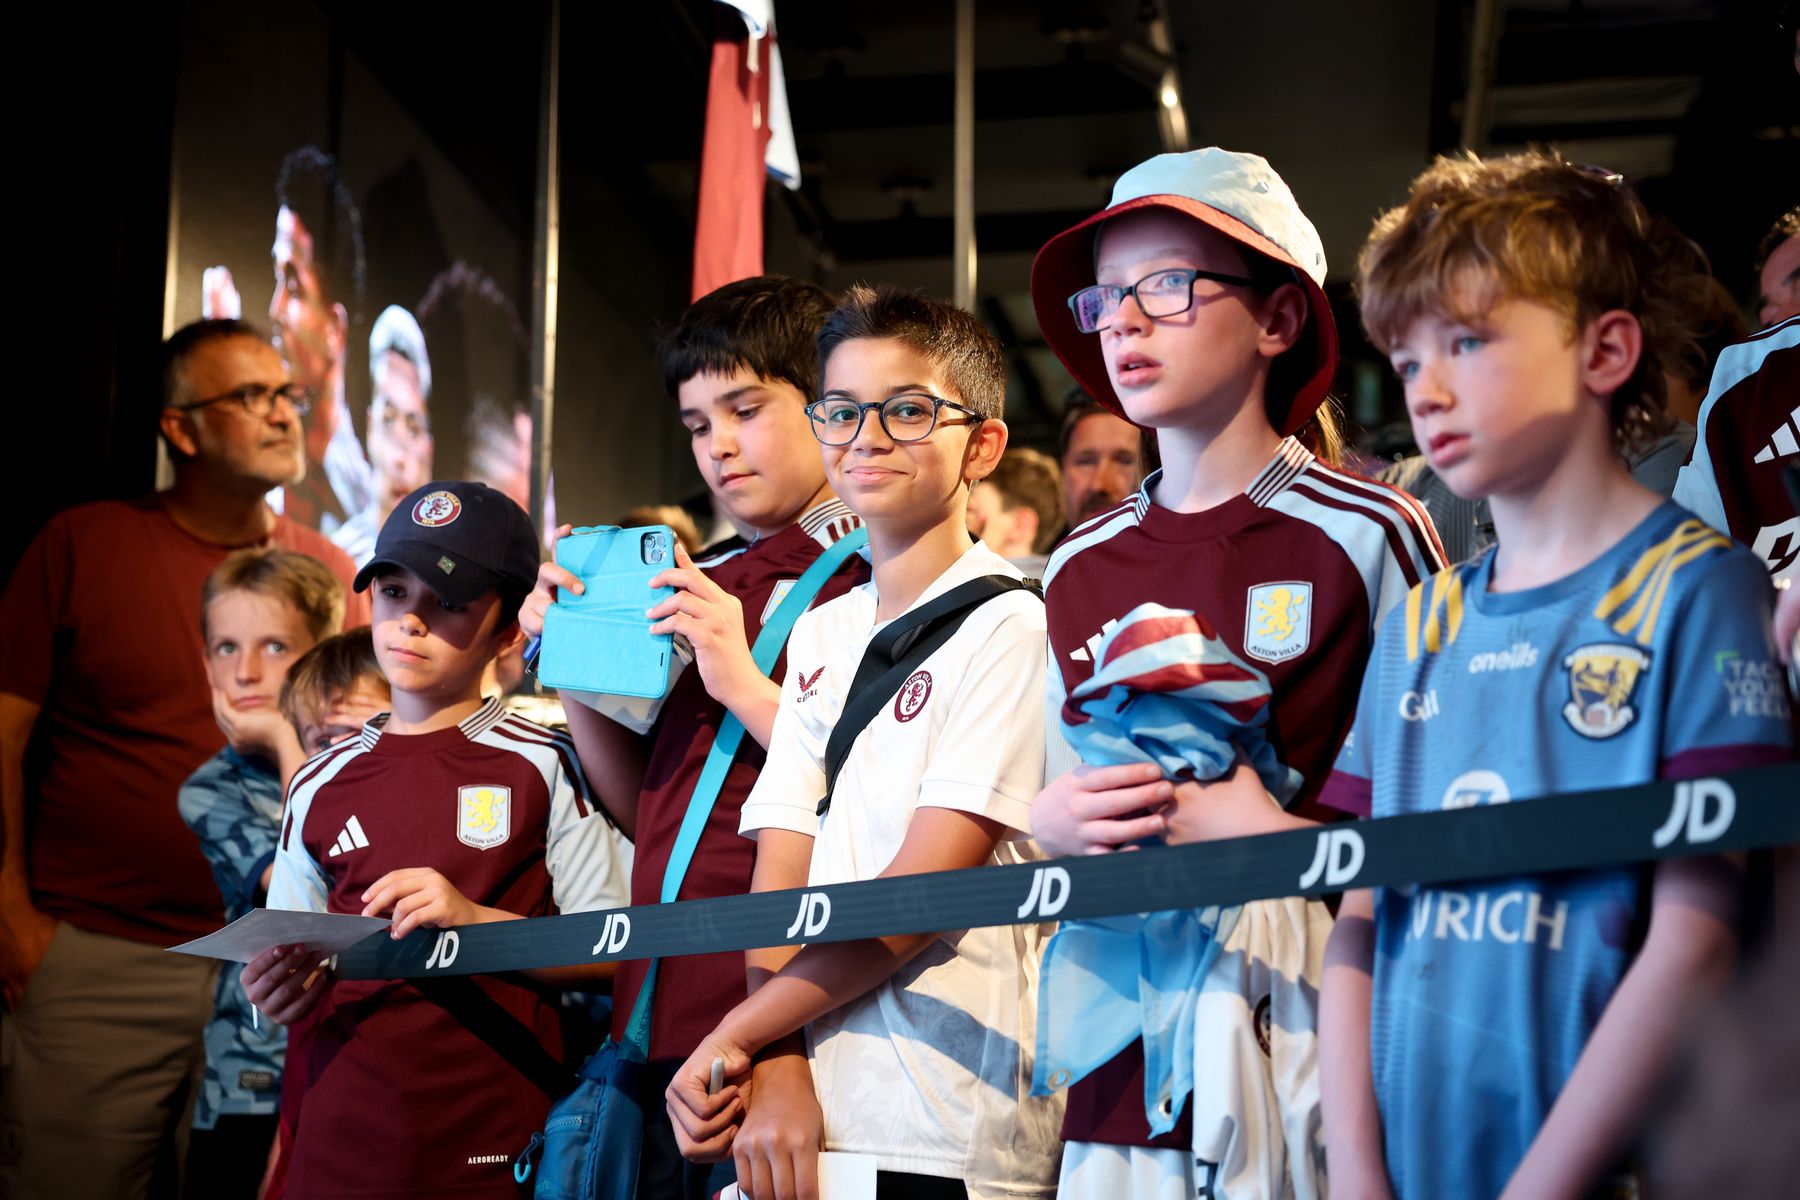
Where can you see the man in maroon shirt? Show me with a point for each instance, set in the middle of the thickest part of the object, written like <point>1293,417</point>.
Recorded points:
<point>101,674</point>
<point>741,366</point>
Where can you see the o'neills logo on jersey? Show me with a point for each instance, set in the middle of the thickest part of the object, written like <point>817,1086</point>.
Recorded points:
<point>1602,679</point>
<point>913,695</point>
<point>483,815</point>
<point>439,508</point>
<point>1278,620</point>
<point>1515,657</point>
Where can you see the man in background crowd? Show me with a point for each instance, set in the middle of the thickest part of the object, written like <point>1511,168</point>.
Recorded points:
<point>1102,461</point>
<point>102,672</point>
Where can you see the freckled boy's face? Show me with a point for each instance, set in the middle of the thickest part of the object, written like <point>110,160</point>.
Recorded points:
<point>1494,402</point>
<point>251,641</point>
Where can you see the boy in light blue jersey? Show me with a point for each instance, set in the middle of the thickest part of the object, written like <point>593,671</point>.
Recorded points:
<point>1508,1035</point>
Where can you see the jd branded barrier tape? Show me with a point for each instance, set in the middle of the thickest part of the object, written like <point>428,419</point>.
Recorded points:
<point>1741,811</point>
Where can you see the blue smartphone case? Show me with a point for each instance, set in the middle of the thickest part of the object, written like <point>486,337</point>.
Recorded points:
<point>600,641</point>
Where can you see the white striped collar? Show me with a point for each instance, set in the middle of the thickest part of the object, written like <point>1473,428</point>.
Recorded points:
<point>491,713</point>
<point>1290,459</point>
<point>1283,468</point>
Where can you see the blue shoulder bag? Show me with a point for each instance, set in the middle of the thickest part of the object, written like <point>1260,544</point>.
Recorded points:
<point>593,1136</point>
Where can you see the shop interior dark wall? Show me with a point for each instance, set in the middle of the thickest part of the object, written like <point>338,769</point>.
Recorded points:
<point>90,189</point>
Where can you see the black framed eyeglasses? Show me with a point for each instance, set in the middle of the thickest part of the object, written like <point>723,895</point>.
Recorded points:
<point>1158,294</point>
<point>908,417</point>
<point>259,401</point>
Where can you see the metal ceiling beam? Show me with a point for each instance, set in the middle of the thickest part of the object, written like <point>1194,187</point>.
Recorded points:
<point>962,259</point>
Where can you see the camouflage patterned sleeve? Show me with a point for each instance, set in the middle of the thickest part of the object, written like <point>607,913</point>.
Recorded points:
<point>233,805</point>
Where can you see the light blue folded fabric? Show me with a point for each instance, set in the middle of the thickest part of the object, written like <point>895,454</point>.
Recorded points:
<point>1165,690</point>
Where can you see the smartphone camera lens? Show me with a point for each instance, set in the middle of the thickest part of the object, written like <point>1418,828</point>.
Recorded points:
<point>655,548</point>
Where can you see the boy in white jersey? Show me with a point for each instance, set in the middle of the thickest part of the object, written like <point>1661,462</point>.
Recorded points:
<point>1506,1036</point>
<point>919,1045</point>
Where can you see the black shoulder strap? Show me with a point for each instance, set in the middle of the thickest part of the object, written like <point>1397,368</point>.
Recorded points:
<point>896,651</point>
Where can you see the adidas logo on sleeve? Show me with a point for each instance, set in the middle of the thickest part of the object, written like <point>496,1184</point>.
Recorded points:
<point>350,837</point>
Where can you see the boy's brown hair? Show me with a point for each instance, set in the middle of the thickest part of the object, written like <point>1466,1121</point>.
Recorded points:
<point>1027,479</point>
<point>328,672</point>
<point>766,323</point>
<point>296,579</point>
<point>1531,227</point>
<point>1787,225</point>
<point>952,339</point>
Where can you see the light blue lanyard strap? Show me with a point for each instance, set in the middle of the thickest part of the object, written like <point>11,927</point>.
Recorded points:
<point>768,648</point>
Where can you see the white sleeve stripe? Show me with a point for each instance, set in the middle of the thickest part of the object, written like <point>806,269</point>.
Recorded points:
<point>1090,534</point>
<point>1419,514</point>
<point>301,793</point>
<point>1399,512</point>
<point>297,881</point>
<point>562,743</point>
<point>1366,540</point>
<point>320,761</point>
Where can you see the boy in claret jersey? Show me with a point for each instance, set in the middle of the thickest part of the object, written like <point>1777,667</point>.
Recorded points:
<point>446,811</point>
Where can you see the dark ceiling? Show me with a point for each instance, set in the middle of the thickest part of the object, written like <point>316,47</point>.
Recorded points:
<point>1697,103</point>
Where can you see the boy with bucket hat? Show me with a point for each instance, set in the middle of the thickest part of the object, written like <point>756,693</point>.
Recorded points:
<point>1192,305</point>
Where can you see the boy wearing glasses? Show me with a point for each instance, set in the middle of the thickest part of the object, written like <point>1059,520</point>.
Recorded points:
<point>919,1046</point>
<point>1192,305</point>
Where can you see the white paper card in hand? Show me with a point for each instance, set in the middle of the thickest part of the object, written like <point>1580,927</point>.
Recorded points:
<point>260,928</point>
<point>844,1176</point>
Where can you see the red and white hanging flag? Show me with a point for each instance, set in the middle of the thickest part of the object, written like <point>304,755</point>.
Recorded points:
<point>748,135</point>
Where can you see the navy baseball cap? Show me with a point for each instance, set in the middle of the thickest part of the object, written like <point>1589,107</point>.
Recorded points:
<point>463,539</point>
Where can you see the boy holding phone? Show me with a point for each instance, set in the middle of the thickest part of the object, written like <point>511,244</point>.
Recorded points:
<point>446,811</point>
<point>741,367</point>
<point>917,1045</point>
